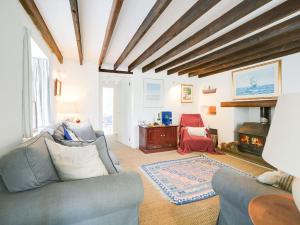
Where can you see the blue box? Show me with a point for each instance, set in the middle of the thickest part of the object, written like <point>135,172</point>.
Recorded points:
<point>166,118</point>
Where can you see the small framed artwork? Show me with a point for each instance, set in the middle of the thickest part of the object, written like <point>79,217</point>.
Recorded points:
<point>262,81</point>
<point>186,93</point>
<point>153,93</point>
<point>57,87</point>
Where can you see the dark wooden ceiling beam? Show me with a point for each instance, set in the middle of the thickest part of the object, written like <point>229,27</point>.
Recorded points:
<point>150,19</point>
<point>287,49</point>
<point>277,45</point>
<point>236,13</point>
<point>39,22</point>
<point>114,71</point>
<point>75,17</point>
<point>194,13</point>
<point>283,10</point>
<point>282,28</point>
<point>113,17</point>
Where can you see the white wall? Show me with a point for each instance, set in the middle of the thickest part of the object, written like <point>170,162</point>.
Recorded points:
<point>227,119</point>
<point>13,19</point>
<point>81,84</point>
<point>172,101</point>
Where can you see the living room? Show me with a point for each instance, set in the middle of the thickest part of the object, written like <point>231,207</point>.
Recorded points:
<point>163,112</point>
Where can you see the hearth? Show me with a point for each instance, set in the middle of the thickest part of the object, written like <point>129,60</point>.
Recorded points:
<point>252,136</point>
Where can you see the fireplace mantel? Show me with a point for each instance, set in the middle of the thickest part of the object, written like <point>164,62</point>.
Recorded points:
<point>250,103</point>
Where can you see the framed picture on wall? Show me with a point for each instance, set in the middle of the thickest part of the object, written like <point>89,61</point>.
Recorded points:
<point>260,81</point>
<point>186,93</point>
<point>57,87</point>
<point>153,93</point>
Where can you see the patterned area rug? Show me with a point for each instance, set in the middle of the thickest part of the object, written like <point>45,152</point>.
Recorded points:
<point>184,180</point>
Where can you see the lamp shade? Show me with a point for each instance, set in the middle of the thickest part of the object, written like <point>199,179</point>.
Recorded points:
<point>282,149</point>
<point>67,107</point>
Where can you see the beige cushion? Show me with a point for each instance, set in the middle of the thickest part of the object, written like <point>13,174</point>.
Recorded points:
<point>270,177</point>
<point>74,163</point>
<point>277,179</point>
<point>197,131</point>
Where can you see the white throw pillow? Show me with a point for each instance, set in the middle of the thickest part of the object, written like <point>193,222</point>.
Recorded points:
<point>74,163</point>
<point>270,177</point>
<point>197,131</point>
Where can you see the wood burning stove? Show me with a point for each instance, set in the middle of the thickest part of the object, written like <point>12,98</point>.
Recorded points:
<point>252,136</point>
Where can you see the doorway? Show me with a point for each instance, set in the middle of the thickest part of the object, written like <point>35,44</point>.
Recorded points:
<point>108,109</point>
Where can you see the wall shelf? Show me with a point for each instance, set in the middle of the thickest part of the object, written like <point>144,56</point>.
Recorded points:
<point>250,103</point>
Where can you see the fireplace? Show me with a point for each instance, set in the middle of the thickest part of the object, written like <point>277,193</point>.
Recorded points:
<point>252,136</point>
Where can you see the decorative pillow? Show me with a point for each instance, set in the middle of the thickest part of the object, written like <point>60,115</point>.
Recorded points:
<point>69,135</point>
<point>83,130</point>
<point>277,179</point>
<point>28,166</point>
<point>74,163</point>
<point>270,177</point>
<point>108,158</point>
<point>105,155</point>
<point>58,134</point>
<point>197,131</point>
<point>285,182</point>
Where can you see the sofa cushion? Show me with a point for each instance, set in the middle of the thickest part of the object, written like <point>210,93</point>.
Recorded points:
<point>72,202</point>
<point>73,163</point>
<point>70,135</point>
<point>108,158</point>
<point>104,155</point>
<point>58,133</point>
<point>28,166</point>
<point>197,131</point>
<point>83,130</point>
<point>285,183</point>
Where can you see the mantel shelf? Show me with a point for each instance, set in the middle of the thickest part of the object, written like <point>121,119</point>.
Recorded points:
<point>250,103</point>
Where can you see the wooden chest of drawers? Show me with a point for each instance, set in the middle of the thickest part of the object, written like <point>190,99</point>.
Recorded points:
<point>158,138</point>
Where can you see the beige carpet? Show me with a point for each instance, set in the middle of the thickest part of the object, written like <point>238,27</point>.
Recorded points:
<point>156,209</point>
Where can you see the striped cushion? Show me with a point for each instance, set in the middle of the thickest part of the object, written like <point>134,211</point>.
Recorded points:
<point>285,183</point>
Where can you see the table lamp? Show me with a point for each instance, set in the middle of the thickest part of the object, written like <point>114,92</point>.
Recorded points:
<point>69,110</point>
<point>282,148</point>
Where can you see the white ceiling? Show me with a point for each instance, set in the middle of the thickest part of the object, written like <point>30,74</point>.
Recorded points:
<point>94,14</point>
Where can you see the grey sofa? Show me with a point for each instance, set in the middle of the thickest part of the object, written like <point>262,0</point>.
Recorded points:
<point>107,200</point>
<point>235,192</point>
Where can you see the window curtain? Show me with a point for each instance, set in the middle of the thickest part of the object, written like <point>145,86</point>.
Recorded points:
<point>27,86</point>
<point>41,93</point>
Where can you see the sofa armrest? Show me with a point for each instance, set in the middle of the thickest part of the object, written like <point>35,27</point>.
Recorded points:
<point>73,201</point>
<point>239,189</point>
<point>99,133</point>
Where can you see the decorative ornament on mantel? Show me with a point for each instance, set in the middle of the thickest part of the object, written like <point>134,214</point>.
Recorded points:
<point>209,90</point>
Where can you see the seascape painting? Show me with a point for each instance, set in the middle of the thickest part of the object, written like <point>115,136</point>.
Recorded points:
<point>262,81</point>
<point>153,93</point>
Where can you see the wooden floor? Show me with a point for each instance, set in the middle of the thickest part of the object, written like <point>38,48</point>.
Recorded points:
<point>156,209</point>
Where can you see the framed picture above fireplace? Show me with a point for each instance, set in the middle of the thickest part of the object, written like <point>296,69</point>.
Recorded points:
<point>261,81</point>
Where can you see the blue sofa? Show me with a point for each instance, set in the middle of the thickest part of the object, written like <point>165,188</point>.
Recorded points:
<point>236,191</point>
<point>109,200</point>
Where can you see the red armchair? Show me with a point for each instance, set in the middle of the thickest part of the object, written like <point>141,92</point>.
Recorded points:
<point>189,143</point>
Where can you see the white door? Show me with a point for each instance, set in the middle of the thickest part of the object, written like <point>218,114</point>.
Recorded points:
<point>123,105</point>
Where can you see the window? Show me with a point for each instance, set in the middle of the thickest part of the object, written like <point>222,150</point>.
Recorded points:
<point>40,87</point>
